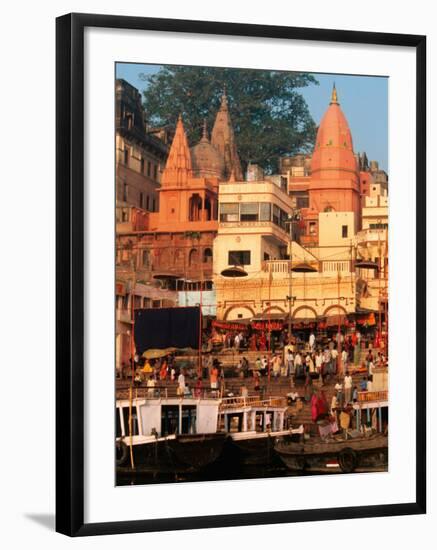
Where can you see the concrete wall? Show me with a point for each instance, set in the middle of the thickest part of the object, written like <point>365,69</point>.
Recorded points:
<point>330,228</point>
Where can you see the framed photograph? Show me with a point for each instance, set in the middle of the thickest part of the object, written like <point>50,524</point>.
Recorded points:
<point>240,274</point>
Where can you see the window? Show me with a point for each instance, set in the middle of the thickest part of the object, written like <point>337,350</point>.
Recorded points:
<point>283,219</point>
<point>147,202</point>
<point>301,199</point>
<point>155,171</point>
<point>142,165</point>
<point>137,301</point>
<point>207,255</point>
<point>229,212</point>
<point>141,200</point>
<point>312,228</point>
<point>135,428</point>
<point>125,192</point>
<point>302,202</point>
<point>276,214</point>
<point>154,205</point>
<point>188,419</point>
<point>266,256</point>
<point>378,225</point>
<point>146,257</point>
<point>239,257</point>
<point>249,212</point>
<point>344,231</point>
<point>149,168</point>
<point>169,419</point>
<point>126,156</point>
<point>265,212</point>
<point>118,423</point>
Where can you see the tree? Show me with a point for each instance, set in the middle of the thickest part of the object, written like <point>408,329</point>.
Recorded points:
<point>269,115</point>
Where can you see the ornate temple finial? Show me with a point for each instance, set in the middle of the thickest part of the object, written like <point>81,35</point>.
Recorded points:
<point>180,117</point>
<point>224,102</point>
<point>204,131</point>
<point>334,97</point>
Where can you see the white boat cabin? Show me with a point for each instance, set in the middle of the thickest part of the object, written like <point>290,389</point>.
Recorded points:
<point>244,415</point>
<point>166,417</point>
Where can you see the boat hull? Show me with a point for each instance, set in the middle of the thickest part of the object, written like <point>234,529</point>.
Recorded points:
<point>185,453</point>
<point>346,456</point>
<point>254,448</point>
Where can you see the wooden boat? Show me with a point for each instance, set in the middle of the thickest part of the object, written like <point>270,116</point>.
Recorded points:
<point>252,425</point>
<point>167,434</point>
<point>361,453</point>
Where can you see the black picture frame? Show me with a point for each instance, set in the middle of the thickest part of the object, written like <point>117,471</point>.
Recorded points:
<point>70,273</point>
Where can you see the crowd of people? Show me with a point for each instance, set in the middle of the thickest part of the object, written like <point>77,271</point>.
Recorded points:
<point>315,362</point>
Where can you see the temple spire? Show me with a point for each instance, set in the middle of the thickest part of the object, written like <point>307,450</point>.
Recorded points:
<point>224,100</point>
<point>223,139</point>
<point>178,167</point>
<point>204,132</point>
<point>334,96</point>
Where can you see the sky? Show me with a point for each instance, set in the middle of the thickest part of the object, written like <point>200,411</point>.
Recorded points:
<point>363,99</point>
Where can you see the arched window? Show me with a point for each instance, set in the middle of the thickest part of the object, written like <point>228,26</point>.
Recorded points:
<point>208,211</point>
<point>193,258</point>
<point>207,256</point>
<point>329,209</point>
<point>195,208</point>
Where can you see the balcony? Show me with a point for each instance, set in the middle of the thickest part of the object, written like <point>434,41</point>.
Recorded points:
<point>371,236</point>
<point>282,267</point>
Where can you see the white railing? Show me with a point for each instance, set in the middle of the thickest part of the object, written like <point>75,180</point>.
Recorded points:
<point>251,401</point>
<point>276,266</point>
<point>343,266</point>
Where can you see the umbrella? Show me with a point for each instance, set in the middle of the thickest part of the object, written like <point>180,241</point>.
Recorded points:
<point>155,353</point>
<point>304,268</point>
<point>235,271</point>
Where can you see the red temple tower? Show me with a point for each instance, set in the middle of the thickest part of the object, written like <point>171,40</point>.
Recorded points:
<point>335,182</point>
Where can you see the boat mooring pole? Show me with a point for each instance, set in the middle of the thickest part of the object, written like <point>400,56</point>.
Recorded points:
<point>130,429</point>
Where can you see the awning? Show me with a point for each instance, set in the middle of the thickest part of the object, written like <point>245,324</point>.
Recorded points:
<point>241,324</point>
<point>167,276</point>
<point>335,320</point>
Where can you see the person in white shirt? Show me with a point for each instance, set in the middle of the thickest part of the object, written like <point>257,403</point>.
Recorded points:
<point>290,362</point>
<point>237,341</point>
<point>309,363</point>
<point>264,365</point>
<point>371,368</point>
<point>347,388</point>
<point>369,385</point>
<point>344,358</point>
<point>312,341</point>
<point>334,355</point>
<point>181,384</point>
<point>151,387</point>
<point>298,364</point>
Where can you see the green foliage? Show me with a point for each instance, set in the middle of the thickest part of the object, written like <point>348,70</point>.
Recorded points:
<point>269,115</point>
